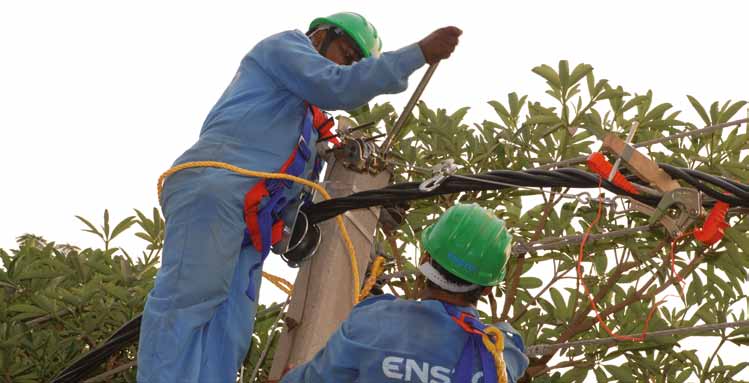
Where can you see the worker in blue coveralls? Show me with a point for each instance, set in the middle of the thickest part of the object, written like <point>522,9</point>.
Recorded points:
<point>199,317</point>
<point>438,339</point>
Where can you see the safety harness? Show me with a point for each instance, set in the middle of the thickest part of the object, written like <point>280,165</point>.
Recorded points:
<point>267,204</point>
<point>478,345</point>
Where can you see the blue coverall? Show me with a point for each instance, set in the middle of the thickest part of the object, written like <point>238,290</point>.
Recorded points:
<point>198,322</point>
<point>395,340</point>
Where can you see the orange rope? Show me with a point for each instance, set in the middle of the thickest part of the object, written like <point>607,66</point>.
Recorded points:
<point>672,255</point>
<point>588,294</point>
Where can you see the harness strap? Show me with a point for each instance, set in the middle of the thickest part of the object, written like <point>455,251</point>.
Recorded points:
<point>265,223</point>
<point>475,347</point>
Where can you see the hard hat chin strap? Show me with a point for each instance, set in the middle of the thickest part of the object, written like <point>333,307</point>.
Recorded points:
<point>434,276</point>
<point>333,33</point>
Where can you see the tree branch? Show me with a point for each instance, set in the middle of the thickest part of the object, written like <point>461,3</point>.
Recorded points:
<point>518,269</point>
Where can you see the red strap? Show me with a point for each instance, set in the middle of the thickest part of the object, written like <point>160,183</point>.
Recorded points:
<point>323,124</point>
<point>253,197</point>
<point>465,325</point>
<point>277,232</point>
<point>251,201</point>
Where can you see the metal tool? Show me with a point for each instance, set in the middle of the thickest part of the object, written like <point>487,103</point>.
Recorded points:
<point>344,131</point>
<point>356,153</point>
<point>677,210</point>
<point>618,161</point>
<point>687,201</point>
<point>440,172</point>
<point>407,110</point>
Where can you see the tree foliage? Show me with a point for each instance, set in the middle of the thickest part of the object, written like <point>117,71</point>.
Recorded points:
<point>59,301</point>
<point>540,296</point>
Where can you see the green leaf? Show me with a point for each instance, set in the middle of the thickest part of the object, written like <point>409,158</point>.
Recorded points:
<point>106,223</point>
<point>549,75</point>
<point>700,110</point>
<point>559,305</point>
<point>683,376</point>
<point>621,373</point>
<point>91,227</point>
<point>580,71</point>
<point>731,111</point>
<point>564,74</point>
<point>530,282</point>
<point>117,291</point>
<point>714,112</point>
<point>575,375</point>
<point>739,238</point>
<point>27,308</point>
<point>122,226</point>
<point>740,341</point>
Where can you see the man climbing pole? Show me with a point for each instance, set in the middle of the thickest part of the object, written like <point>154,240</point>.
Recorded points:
<point>439,338</point>
<point>199,317</point>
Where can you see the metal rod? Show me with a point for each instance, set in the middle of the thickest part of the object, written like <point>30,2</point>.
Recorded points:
<point>374,137</point>
<point>360,127</point>
<point>407,110</point>
<point>618,162</point>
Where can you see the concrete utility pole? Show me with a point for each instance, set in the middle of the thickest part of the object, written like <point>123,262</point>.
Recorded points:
<point>322,296</point>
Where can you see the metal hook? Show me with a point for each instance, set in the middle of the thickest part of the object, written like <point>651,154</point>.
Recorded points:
<point>440,172</point>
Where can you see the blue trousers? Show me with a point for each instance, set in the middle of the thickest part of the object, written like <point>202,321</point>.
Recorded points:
<point>198,321</point>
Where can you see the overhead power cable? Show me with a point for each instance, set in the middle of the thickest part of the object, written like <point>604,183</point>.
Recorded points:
<point>712,186</point>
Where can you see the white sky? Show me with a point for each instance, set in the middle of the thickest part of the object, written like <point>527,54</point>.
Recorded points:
<point>97,98</point>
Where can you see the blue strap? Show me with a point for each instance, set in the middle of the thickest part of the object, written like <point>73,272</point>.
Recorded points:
<point>473,349</point>
<point>271,210</point>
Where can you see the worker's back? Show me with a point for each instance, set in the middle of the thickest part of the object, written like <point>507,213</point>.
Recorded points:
<point>394,340</point>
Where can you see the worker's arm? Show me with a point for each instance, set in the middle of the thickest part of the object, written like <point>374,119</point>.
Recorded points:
<point>293,62</point>
<point>336,362</point>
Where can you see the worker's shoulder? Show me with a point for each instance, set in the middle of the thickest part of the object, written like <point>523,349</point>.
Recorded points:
<point>384,304</point>
<point>510,333</point>
<point>294,36</point>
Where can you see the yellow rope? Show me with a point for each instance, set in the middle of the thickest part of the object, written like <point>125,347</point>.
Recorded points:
<point>496,348</point>
<point>252,173</point>
<point>378,266</point>
<point>279,282</point>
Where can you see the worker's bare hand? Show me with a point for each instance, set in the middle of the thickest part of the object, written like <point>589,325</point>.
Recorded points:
<point>440,44</point>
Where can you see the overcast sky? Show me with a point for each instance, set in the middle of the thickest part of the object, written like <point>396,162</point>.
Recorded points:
<point>97,98</point>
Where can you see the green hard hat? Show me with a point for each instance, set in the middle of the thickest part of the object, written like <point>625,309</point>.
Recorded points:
<point>471,243</point>
<point>357,27</point>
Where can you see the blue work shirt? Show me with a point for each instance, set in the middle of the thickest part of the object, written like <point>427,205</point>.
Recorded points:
<point>255,124</point>
<point>395,340</point>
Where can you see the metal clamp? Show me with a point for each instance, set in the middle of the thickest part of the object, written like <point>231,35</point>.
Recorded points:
<point>686,202</point>
<point>357,153</point>
<point>440,172</point>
